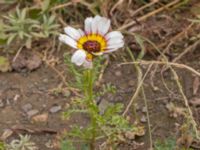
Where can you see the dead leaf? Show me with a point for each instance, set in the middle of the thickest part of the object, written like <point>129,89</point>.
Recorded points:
<point>195,101</point>
<point>4,64</point>
<point>7,133</point>
<point>33,129</point>
<point>175,111</point>
<point>130,135</point>
<point>196,84</point>
<point>185,140</point>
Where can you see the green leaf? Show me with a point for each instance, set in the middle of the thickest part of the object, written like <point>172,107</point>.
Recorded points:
<point>2,146</point>
<point>34,13</point>
<point>67,145</point>
<point>45,5</point>
<point>3,41</point>
<point>11,38</point>
<point>140,41</point>
<point>23,14</point>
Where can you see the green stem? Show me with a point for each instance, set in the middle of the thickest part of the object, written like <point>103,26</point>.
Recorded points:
<point>91,105</point>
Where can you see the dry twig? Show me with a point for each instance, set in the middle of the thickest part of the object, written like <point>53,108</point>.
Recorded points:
<point>142,62</point>
<point>148,15</point>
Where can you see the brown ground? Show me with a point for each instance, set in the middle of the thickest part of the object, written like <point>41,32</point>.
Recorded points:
<point>17,89</point>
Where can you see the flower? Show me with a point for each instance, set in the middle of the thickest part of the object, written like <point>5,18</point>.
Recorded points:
<point>93,41</point>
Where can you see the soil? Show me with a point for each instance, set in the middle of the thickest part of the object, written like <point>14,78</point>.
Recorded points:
<point>34,88</point>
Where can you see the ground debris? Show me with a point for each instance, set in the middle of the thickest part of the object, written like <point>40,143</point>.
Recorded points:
<point>40,118</point>
<point>7,133</point>
<point>32,113</point>
<point>196,84</point>
<point>33,129</point>
<point>26,61</point>
<point>27,107</point>
<point>195,101</point>
<point>55,109</point>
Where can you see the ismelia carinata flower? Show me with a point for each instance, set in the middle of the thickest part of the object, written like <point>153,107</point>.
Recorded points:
<point>95,40</point>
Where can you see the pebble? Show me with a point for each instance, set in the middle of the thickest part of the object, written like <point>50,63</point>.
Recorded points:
<point>143,119</point>
<point>144,109</point>
<point>42,88</point>
<point>118,73</point>
<point>40,118</point>
<point>32,112</point>
<point>1,103</point>
<point>17,96</point>
<point>55,109</point>
<point>27,107</point>
<point>131,83</point>
<point>45,80</point>
<point>66,92</point>
<point>130,135</point>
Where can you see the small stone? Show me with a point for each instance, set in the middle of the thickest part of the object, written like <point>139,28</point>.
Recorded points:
<point>1,103</point>
<point>130,135</point>
<point>32,113</point>
<point>49,144</point>
<point>118,73</point>
<point>155,88</point>
<point>42,88</point>
<point>104,105</point>
<point>66,92</point>
<point>137,107</point>
<point>7,101</point>
<point>131,83</point>
<point>45,80</point>
<point>27,107</point>
<point>143,119</point>
<point>67,105</point>
<point>40,118</point>
<point>55,109</point>
<point>17,96</point>
<point>44,105</point>
<point>144,109</point>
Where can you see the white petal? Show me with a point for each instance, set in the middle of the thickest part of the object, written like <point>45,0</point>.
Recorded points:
<point>95,22</point>
<point>88,64</point>
<point>81,32</point>
<point>68,40</point>
<point>88,25</point>
<point>115,46</point>
<point>103,25</point>
<point>114,41</point>
<point>73,33</point>
<point>78,57</point>
<point>110,50</point>
<point>113,34</point>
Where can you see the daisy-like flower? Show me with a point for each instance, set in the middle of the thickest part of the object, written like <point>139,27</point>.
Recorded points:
<point>93,41</point>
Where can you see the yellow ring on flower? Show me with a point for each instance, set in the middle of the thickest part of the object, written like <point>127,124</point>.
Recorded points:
<point>92,37</point>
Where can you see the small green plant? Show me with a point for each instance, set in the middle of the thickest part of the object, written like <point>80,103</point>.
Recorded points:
<point>168,144</point>
<point>107,88</point>
<point>2,146</point>
<point>21,27</point>
<point>23,143</point>
<point>18,26</point>
<point>107,125</point>
<point>47,27</point>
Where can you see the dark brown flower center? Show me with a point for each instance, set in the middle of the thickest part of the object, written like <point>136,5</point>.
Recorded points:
<point>92,46</point>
